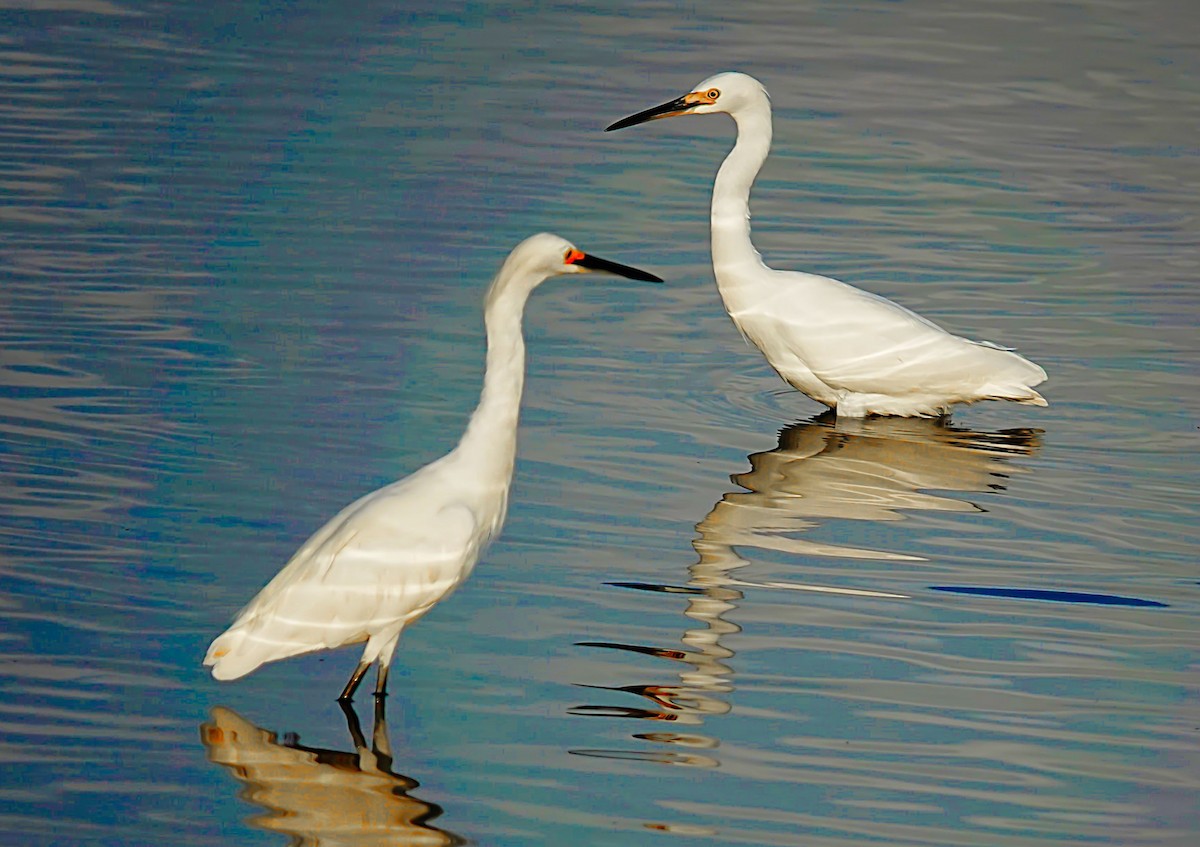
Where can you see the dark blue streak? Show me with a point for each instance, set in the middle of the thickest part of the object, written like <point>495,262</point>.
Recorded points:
<point>1053,596</point>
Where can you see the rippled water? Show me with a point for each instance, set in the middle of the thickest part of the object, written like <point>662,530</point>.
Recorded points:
<point>243,250</point>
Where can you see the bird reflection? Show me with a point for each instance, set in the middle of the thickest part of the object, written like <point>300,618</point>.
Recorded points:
<point>828,468</point>
<point>324,798</point>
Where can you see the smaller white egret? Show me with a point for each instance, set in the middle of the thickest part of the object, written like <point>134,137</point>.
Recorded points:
<point>854,351</point>
<point>389,557</point>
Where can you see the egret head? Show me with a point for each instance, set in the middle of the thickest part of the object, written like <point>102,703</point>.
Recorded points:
<point>728,92</point>
<point>545,255</point>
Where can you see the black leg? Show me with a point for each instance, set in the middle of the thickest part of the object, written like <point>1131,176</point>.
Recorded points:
<point>381,682</point>
<point>355,678</point>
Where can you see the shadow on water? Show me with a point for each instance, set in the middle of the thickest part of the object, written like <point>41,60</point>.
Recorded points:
<point>823,469</point>
<point>318,796</point>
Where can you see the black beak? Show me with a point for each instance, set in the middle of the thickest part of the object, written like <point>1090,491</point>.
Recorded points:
<point>595,263</point>
<point>678,106</point>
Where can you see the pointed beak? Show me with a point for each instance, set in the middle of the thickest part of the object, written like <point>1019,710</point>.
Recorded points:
<point>678,106</point>
<point>595,263</point>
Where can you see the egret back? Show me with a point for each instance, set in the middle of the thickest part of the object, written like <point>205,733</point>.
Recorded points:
<point>377,566</point>
<point>832,341</point>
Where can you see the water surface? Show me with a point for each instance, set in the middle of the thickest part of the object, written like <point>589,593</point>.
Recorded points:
<point>244,249</point>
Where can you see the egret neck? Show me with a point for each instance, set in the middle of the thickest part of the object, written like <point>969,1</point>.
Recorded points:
<point>731,245</point>
<point>489,445</point>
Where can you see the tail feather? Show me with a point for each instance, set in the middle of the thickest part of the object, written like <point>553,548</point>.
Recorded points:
<point>245,647</point>
<point>1018,394</point>
<point>239,651</point>
<point>227,658</point>
<point>1034,399</point>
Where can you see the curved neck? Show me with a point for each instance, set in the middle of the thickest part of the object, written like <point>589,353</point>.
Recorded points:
<point>489,444</point>
<point>731,245</point>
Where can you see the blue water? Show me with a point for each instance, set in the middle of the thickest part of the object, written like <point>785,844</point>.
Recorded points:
<point>243,251</point>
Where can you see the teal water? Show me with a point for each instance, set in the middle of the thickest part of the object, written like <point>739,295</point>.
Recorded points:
<point>244,248</point>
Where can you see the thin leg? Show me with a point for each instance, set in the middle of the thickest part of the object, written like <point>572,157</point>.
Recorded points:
<point>385,664</point>
<point>355,678</point>
<point>381,682</point>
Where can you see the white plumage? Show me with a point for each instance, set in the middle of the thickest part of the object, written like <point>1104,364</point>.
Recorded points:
<point>386,559</point>
<point>854,351</point>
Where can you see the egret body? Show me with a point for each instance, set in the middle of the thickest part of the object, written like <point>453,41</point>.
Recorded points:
<point>386,559</point>
<point>854,351</point>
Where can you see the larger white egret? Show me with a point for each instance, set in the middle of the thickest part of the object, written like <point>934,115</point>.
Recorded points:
<point>854,351</point>
<point>386,559</point>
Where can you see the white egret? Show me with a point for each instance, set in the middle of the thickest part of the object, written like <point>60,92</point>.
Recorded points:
<point>387,558</point>
<point>854,351</point>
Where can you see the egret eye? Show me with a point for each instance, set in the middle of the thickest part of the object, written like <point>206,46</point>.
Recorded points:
<point>712,93</point>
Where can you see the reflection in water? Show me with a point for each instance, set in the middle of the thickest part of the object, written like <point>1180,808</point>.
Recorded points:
<point>324,797</point>
<point>823,469</point>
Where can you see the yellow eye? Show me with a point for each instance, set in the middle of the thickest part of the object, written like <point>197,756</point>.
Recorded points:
<point>712,93</point>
